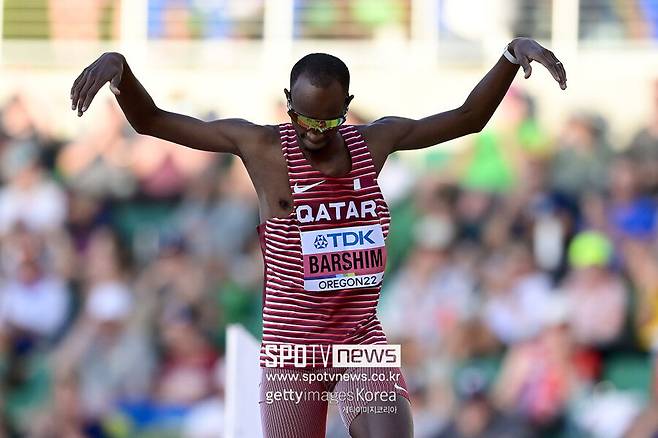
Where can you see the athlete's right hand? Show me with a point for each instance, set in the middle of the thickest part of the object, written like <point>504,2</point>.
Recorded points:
<point>108,67</point>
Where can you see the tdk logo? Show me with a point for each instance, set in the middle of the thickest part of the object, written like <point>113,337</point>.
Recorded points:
<point>350,238</point>
<point>342,239</point>
<point>320,242</point>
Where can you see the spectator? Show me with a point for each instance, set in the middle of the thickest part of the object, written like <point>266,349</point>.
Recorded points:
<point>632,214</point>
<point>642,269</point>
<point>65,417</point>
<point>598,296</point>
<point>174,282</point>
<point>476,416</point>
<point>113,359</point>
<point>515,295</point>
<point>187,374</point>
<point>98,164</point>
<point>30,197</point>
<point>539,377</point>
<point>107,347</point>
<point>643,149</point>
<point>497,158</point>
<point>34,301</point>
<point>163,168</point>
<point>431,295</point>
<point>218,214</point>
<point>580,163</point>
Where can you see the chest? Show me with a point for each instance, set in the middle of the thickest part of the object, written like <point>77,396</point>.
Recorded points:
<point>278,181</point>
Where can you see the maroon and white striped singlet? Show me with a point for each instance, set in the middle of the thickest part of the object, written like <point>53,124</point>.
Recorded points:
<point>324,263</point>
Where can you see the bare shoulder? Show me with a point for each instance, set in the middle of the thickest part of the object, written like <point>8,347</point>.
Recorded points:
<point>263,158</point>
<point>262,141</point>
<point>381,136</point>
<point>262,154</point>
<point>247,135</point>
<point>386,131</point>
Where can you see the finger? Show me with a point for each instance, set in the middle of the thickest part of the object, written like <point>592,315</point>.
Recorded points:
<point>90,95</point>
<point>78,89</point>
<point>77,80</point>
<point>563,76</point>
<point>525,64</point>
<point>552,67</point>
<point>83,92</point>
<point>562,73</point>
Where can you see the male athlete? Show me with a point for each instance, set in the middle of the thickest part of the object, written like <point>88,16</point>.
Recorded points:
<point>324,225</point>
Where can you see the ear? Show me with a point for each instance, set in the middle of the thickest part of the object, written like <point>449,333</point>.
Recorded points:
<point>348,99</point>
<point>287,93</point>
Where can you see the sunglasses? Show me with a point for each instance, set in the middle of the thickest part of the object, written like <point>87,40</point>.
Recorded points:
<point>320,125</point>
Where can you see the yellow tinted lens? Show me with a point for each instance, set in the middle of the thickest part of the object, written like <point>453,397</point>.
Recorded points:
<point>320,125</point>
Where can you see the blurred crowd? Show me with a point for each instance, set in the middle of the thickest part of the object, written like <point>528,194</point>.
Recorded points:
<point>123,259</point>
<point>522,281</point>
<point>526,304</point>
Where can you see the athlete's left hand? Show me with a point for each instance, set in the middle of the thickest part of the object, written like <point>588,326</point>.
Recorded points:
<point>526,50</point>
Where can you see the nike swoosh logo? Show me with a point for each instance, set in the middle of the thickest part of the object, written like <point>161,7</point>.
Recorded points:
<point>399,388</point>
<point>302,189</point>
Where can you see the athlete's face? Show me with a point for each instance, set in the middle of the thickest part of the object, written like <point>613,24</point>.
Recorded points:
<point>321,103</point>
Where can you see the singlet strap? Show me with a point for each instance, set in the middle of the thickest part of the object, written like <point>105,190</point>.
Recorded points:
<point>288,138</point>
<point>361,157</point>
<point>301,172</point>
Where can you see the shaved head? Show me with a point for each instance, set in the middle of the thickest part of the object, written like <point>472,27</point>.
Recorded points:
<point>321,70</point>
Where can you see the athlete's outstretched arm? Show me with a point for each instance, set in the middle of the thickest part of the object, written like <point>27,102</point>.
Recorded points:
<point>399,133</point>
<point>146,118</point>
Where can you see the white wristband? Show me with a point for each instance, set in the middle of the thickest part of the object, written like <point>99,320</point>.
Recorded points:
<point>509,56</point>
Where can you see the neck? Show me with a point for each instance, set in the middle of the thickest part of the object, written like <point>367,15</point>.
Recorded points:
<point>330,159</point>
<point>326,152</point>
